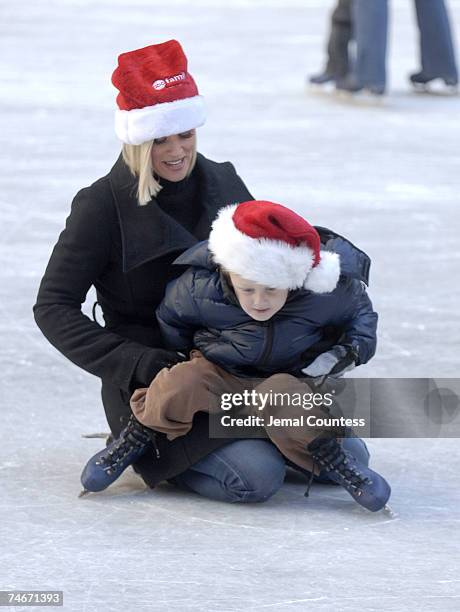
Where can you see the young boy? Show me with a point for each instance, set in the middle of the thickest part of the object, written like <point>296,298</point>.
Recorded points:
<point>260,306</point>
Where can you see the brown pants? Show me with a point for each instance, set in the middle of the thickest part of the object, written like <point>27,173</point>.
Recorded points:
<point>169,404</point>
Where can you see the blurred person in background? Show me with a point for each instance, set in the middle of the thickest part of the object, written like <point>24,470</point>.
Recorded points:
<point>366,23</point>
<point>437,55</point>
<point>370,32</point>
<point>338,62</point>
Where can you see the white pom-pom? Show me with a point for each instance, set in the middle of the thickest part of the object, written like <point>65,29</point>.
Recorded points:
<point>324,277</point>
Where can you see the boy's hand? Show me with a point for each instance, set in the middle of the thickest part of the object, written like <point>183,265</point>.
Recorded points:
<point>335,363</point>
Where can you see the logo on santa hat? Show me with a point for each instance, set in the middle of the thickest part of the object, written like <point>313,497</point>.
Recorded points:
<point>169,81</point>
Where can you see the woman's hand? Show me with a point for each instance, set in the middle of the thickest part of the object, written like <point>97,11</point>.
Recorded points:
<point>152,362</point>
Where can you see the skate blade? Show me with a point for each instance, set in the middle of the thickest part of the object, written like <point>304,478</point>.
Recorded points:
<point>389,512</point>
<point>84,493</point>
<point>327,87</point>
<point>362,98</point>
<point>437,87</point>
<point>321,91</point>
<point>96,435</point>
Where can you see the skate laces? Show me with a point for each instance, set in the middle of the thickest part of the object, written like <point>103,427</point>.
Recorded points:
<point>332,457</point>
<point>133,438</point>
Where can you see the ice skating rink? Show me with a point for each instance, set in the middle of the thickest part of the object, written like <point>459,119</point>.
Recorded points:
<point>385,173</point>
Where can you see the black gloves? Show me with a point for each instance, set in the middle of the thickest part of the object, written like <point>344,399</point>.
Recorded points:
<point>335,362</point>
<point>152,362</point>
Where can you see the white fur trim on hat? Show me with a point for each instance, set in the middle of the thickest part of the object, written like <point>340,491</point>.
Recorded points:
<point>143,124</point>
<point>272,263</point>
<point>324,277</point>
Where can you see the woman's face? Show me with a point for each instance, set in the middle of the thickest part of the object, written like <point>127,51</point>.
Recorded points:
<point>172,155</point>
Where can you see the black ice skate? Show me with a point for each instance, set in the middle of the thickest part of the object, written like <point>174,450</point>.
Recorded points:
<point>351,85</point>
<point>322,78</point>
<point>421,81</point>
<point>366,487</point>
<point>108,464</point>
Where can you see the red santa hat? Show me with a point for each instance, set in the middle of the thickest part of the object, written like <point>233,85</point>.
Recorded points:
<point>158,96</point>
<point>271,245</point>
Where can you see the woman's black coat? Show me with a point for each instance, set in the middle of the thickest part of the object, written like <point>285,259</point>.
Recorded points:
<point>125,251</point>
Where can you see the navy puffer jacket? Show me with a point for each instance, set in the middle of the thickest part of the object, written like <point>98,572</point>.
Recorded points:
<point>200,310</point>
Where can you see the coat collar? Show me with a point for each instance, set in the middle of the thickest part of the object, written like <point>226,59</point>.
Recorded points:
<point>147,232</point>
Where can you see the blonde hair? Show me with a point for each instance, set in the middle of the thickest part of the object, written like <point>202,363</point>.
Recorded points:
<point>138,158</point>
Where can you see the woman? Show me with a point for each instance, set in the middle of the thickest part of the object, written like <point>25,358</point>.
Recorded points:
<point>122,235</point>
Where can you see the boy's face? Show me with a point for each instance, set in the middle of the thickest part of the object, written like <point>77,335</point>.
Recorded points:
<point>259,302</point>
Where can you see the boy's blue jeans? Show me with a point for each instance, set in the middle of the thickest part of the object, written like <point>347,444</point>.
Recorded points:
<point>248,470</point>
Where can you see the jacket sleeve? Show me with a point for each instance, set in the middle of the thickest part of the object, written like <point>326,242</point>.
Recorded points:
<point>357,319</point>
<point>242,193</point>
<point>178,314</point>
<point>77,261</point>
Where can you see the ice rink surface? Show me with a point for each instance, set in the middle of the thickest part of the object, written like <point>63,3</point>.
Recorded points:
<point>385,173</point>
